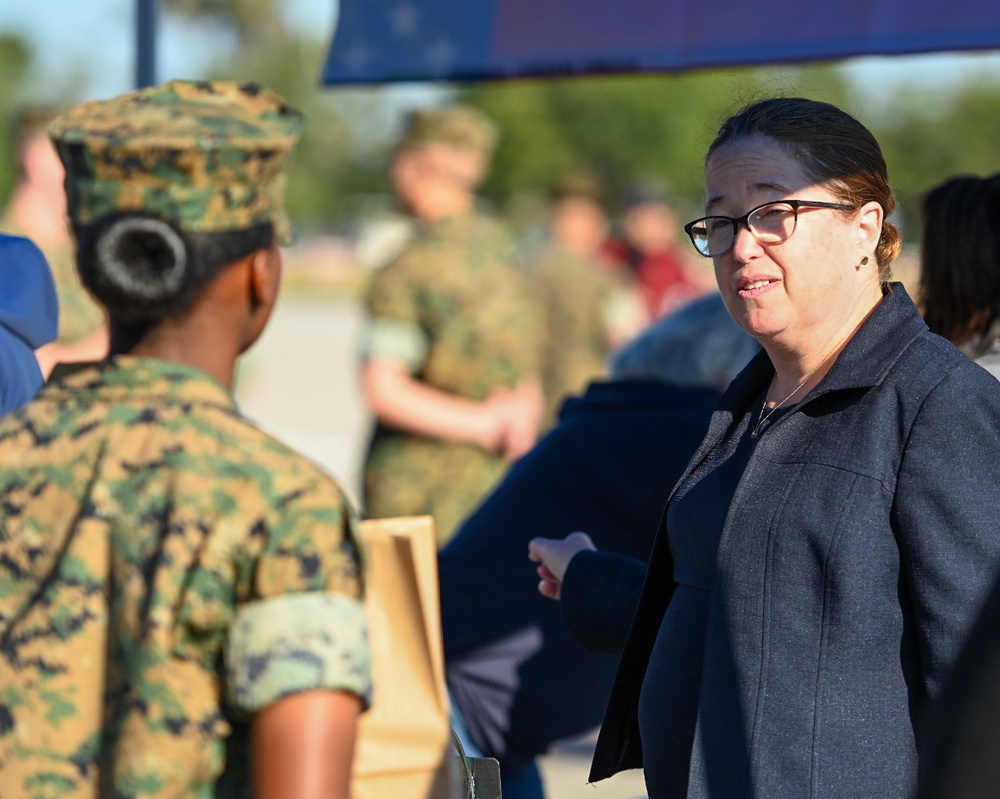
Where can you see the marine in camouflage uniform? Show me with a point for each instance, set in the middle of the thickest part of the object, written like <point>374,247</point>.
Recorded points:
<point>169,569</point>
<point>475,327</point>
<point>456,310</point>
<point>590,307</point>
<point>578,301</point>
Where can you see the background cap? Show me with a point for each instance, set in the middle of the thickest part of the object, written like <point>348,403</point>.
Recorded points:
<point>459,125</point>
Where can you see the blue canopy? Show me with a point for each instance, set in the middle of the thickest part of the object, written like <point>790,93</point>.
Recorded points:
<point>382,41</point>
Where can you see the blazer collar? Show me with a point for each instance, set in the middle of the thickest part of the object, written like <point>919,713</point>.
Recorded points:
<point>863,363</point>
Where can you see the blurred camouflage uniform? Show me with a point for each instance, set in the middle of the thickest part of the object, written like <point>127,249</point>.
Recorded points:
<point>456,309</point>
<point>169,568</point>
<point>578,301</point>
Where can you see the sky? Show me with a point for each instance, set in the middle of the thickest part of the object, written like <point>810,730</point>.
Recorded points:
<point>86,48</point>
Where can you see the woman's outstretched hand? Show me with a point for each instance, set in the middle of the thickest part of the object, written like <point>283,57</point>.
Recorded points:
<point>553,556</point>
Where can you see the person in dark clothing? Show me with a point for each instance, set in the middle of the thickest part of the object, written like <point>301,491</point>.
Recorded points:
<point>960,750</point>
<point>518,679</point>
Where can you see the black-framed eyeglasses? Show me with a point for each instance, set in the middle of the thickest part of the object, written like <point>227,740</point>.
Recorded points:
<point>770,223</point>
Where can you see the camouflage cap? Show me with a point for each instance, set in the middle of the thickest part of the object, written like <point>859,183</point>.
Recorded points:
<point>459,126</point>
<point>210,156</point>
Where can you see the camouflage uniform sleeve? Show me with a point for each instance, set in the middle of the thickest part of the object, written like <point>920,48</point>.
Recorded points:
<point>404,342</point>
<point>394,327</point>
<point>299,642</point>
<point>301,625</point>
<point>394,291</point>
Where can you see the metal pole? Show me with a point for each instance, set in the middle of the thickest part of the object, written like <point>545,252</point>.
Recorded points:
<point>145,50</point>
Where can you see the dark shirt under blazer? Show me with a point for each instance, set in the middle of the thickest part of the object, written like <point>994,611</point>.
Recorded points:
<point>859,545</point>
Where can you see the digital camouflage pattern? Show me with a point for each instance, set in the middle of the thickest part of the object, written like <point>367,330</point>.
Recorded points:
<point>79,313</point>
<point>576,297</point>
<point>456,284</point>
<point>145,529</point>
<point>209,155</point>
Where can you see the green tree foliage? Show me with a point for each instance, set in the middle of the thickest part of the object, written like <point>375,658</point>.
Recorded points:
<point>928,137</point>
<point>625,129</point>
<point>15,62</point>
<point>628,128</point>
<point>253,21</point>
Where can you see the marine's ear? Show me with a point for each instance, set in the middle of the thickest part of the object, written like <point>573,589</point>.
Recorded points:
<point>265,277</point>
<point>263,283</point>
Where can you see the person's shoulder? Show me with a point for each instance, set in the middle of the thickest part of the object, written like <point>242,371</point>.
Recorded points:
<point>420,257</point>
<point>261,457</point>
<point>491,231</point>
<point>28,305</point>
<point>932,364</point>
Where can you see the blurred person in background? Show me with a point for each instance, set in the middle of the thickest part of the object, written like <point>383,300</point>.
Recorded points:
<point>29,318</point>
<point>37,210</point>
<point>181,613</point>
<point>589,308</point>
<point>649,245</point>
<point>960,266</point>
<point>452,344</point>
<point>519,680</point>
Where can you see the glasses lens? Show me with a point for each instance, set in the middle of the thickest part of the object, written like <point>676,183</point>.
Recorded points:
<point>773,222</point>
<point>712,235</point>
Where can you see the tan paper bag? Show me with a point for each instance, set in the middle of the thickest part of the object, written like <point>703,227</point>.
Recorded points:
<point>404,748</point>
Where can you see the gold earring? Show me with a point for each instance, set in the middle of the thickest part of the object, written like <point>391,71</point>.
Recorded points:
<point>864,261</point>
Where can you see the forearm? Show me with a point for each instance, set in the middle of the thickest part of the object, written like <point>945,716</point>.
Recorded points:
<point>400,401</point>
<point>600,593</point>
<point>93,347</point>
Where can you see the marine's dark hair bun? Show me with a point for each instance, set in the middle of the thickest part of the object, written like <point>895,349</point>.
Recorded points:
<point>138,266</point>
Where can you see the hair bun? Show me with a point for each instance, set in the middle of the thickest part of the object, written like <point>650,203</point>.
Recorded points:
<point>143,260</point>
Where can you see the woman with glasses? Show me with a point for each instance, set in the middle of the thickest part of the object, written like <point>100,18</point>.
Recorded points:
<point>828,546</point>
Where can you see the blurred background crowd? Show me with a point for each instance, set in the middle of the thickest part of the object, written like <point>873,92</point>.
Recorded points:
<point>621,139</point>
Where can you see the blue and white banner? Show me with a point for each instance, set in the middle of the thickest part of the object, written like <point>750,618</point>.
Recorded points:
<point>383,41</point>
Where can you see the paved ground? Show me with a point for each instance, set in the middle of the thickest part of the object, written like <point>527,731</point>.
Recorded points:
<point>301,383</point>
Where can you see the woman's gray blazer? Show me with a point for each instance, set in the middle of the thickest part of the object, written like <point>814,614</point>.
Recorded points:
<point>859,545</point>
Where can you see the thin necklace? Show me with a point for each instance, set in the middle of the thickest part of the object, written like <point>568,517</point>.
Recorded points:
<point>763,417</point>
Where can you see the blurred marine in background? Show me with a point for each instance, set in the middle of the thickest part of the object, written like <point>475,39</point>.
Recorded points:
<point>590,307</point>
<point>452,345</point>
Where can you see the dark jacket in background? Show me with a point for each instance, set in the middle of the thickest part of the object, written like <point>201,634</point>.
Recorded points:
<point>518,676</point>
<point>960,744</point>
<point>859,547</point>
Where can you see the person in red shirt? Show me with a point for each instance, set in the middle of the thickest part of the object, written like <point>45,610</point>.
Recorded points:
<point>649,246</point>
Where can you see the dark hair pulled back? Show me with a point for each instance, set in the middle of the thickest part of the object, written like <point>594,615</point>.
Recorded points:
<point>145,269</point>
<point>960,257</point>
<point>834,149</point>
